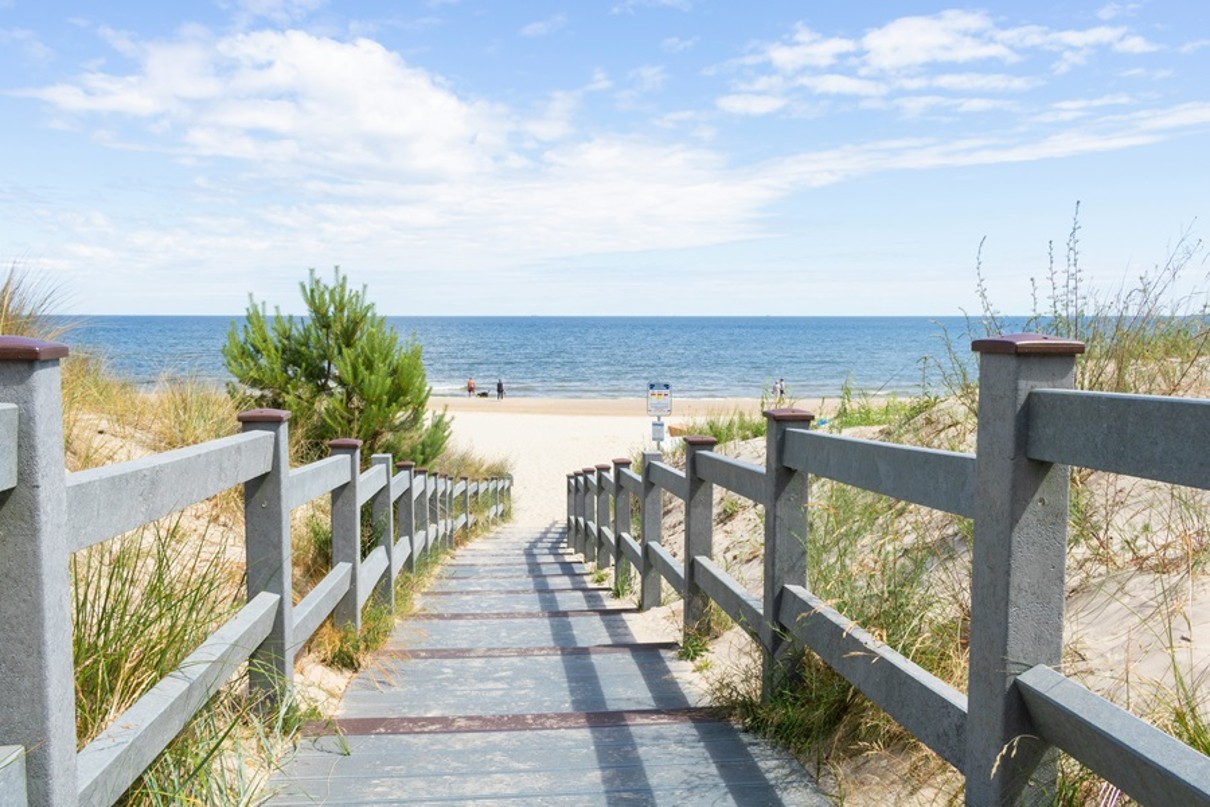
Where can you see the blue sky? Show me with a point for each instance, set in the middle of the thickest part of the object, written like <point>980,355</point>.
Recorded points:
<point>624,157</point>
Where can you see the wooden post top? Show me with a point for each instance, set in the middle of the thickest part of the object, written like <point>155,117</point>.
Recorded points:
<point>1028,344</point>
<point>789,415</point>
<point>700,441</point>
<point>622,463</point>
<point>344,443</point>
<point>405,464</point>
<point>604,467</point>
<point>25,348</point>
<point>263,416</point>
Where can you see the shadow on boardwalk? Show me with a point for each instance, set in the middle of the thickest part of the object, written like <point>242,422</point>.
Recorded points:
<point>519,682</point>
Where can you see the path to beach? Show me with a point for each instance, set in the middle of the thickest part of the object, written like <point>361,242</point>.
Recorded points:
<point>546,438</point>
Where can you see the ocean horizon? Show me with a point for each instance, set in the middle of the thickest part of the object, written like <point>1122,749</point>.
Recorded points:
<point>582,357</point>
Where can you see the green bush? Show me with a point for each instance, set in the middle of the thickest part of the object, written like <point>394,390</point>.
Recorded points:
<point>342,372</point>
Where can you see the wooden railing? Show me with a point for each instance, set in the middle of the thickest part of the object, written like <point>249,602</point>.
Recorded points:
<point>46,514</point>
<point>1017,706</point>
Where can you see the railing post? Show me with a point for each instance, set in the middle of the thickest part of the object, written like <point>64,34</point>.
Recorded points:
<point>604,519</point>
<point>621,514</point>
<point>1018,565</point>
<point>651,515</point>
<point>466,504</point>
<point>37,700</point>
<point>382,515</point>
<point>346,533</point>
<point>423,536</point>
<point>267,555</point>
<point>405,513</point>
<point>590,509</point>
<point>785,540</point>
<point>581,486</point>
<point>699,531</point>
<point>449,509</point>
<point>571,511</point>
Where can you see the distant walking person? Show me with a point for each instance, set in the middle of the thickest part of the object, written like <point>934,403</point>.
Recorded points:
<point>779,390</point>
<point>499,389</point>
<point>470,387</point>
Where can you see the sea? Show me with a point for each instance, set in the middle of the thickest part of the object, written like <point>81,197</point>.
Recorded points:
<point>585,357</point>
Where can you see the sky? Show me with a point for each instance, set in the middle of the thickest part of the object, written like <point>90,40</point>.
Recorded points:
<point>623,157</point>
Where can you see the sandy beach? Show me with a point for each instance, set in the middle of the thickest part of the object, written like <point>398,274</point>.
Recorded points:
<point>544,439</point>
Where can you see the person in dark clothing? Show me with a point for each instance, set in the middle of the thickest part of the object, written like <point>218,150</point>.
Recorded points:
<point>499,389</point>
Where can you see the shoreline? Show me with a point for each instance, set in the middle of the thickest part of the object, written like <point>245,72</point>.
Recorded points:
<point>682,408</point>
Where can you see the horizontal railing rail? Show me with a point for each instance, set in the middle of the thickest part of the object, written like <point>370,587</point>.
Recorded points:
<point>1031,426</point>
<point>50,514</point>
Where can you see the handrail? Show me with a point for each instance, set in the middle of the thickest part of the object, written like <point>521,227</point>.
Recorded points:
<point>1031,425</point>
<point>50,513</point>
<point>113,499</point>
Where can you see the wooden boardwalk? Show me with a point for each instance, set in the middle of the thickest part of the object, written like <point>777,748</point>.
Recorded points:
<point>520,683</point>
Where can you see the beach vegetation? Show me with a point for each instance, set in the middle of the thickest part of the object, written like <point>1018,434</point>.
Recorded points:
<point>341,370</point>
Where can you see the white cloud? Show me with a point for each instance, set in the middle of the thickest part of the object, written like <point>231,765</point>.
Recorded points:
<point>630,6</point>
<point>32,48</point>
<point>806,49</point>
<point>676,44</point>
<point>281,12</point>
<point>835,84</point>
<point>1111,11</point>
<point>949,37</point>
<point>750,104</point>
<point>544,27</point>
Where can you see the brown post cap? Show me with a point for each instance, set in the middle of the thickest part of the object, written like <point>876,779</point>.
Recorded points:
<point>344,443</point>
<point>25,348</point>
<point>789,415</point>
<point>422,470</point>
<point>700,441</point>
<point>1028,344</point>
<point>571,476</point>
<point>604,467</point>
<point>263,416</point>
<point>405,464</point>
<point>590,470</point>
<point>622,463</point>
<point>466,479</point>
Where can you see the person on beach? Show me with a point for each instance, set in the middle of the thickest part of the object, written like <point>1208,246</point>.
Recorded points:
<point>470,387</point>
<point>780,390</point>
<point>499,389</point>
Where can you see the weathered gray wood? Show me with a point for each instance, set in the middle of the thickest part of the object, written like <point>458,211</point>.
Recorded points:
<point>109,764</point>
<point>373,569</point>
<point>607,546</point>
<point>631,482</point>
<point>1147,764</point>
<point>1140,435</point>
<point>734,599</point>
<point>604,554</point>
<point>37,698</point>
<point>401,483</point>
<point>382,516</point>
<point>373,479</point>
<point>737,476</point>
<point>458,523</point>
<point>669,479</point>
<point>460,487</point>
<point>923,704</point>
<point>108,501</point>
<point>319,603</point>
<point>666,566</point>
<point>316,479</point>
<point>267,553</point>
<point>943,480</point>
<point>631,549</point>
<point>786,540</point>
<point>12,776</point>
<point>621,515</point>
<point>346,534</point>
<point>699,533</point>
<point>1017,573</point>
<point>651,514</point>
<point>403,552</point>
<point>8,457</point>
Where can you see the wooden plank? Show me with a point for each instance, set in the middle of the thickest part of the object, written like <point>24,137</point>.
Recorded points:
<point>631,482</point>
<point>606,536</point>
<point>113,499</point>
<point>632,550</point>
<point>1147,436</point>
<point>316,479</point>
<point>926,706</point>
<point>372,569</point>
<point>668,567</point>
<point>1145,763</point>
<point>740,477</point>
<point>943,480</point>
<point>109,764</point>
<point>745,608</point>
<point>370,482</point>
<point>317,606</point>
<point>669,479</point>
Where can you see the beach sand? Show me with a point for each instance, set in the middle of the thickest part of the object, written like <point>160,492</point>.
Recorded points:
<point>544,439</point>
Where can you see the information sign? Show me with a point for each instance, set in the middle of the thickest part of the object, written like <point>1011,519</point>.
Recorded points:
<point>659,399</point>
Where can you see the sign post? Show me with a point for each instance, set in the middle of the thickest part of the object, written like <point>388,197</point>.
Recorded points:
<point>659,403</point>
